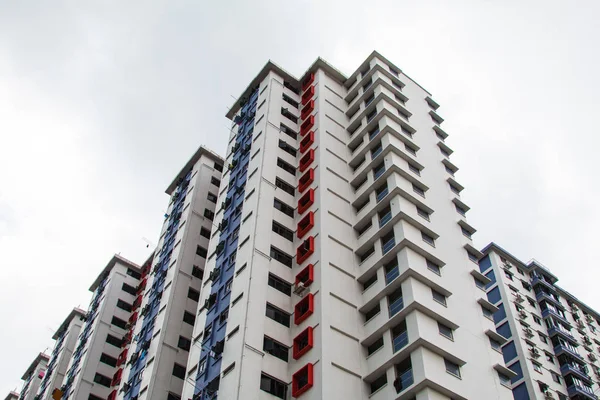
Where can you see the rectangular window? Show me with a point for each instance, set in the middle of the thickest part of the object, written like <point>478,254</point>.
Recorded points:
<point>379,383</point>
<point>452,368</point>
<point>424,214</point>
<point>282,257</point>
<point>205,232</point>
<point>289,100</point>
<point>414,169</point>
<point>372,312</point>
<point>281,184</point>
<point>288,131</point>
<point>209,214</point>
<point>189,318</point>
<point>278,315</point>
<point>433,267</point>
<point>124,305</point>
<point>375,346</point>
<point>133,273</point>
<point>427,239</point>
<point>184,343</point>
<point>279,284</point>
<point>193,294</point>
<point>108,360</point>
<point>102,380</point>
<point>273,386</point>
<point>445,331</point>
<point>275,349</point>
<point>437,296</point>
<point>460,210</point>
<point>286,166</point>
<point>537,367</point>
<point>215,181</point>
<point>129,289</point>
<point>283,231</point>
<point>284,208</point>
<point>114,341</point>
<point>201,251</point>
<point>287,148</point>
<point>495,345</point>
<point>370,282</point>
<point>118,322</point>
<point>285,112</point>
<point>179,371</point>
<point>211,197</point>
<point>418,190</point>
<point>197,272</point>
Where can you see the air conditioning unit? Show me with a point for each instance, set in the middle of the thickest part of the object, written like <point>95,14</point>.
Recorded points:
<point>507,265</point>
<point>528,332</point>
<point>587,340</point>
<point>520,298</point>
<point>592,357</point>
<point>548,395</point>
<point>523,315</point>
<point>589,318</point>
<point>580,324</point>
<point>534,352</point>
<point>300,289</point>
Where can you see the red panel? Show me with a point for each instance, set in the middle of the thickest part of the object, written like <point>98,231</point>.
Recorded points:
<point>127,338</point>
<point>306,180</point>
<point>137,302</point>
<point>303,343</point>
<point>305,250</point>
<point>306,201</point>
<point>308,81</point>
<point>305,224</point>
<point>117,377</point>
<point>307,141</point>
<point>306,276</point>
<point>304,309</point>
<point>122,357</point>
<point>307,125</point>
<point>302,380</point>
<point>112,395</point>
<point>308,109</point>
<point>133,318</point>
<point>306,160</point>
<point>142,285</point>
<point>308,95</point>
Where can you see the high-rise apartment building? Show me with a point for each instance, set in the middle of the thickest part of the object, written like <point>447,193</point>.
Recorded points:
<point>160,341</point>
<point>33,376</point>
<point>92,368</point>
<point>66,339</point>
<point>343,266</point>
<point>553,338</point>
<point>12,396</point>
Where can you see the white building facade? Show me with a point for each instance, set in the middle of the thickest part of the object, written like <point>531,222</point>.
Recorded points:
<point>66,339</point>
<point>157,356</point>
<point>32,378</point>
<point>343,266</point>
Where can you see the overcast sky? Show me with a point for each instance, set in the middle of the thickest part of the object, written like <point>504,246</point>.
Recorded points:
<point>101,104</point>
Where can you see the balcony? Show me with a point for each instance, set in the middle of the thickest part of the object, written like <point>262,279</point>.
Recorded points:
<point>378,172</point>
<point>387,246</point>
<point>581,392</point>
<point>568,350</point>
<point>381,195</point>
<point>555,330</point>
<point>391,275</point>
<point>548,297</point>
<point>404,381</point>
<point>576,370</point>
<point>385,219</point>
<point>541,281</point>
<point>396,306</point>
<point>400,341</point>
<point>376,152</point>
<point>548,312</point>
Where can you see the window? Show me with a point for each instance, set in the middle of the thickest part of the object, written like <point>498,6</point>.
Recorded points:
<point>375,346</point>
<point>283,145</point>
<point>427,239</point>
<point>504,380</point>
<point>465,232</point>
<point>487,313</point>
<point>184,343</point>
<point>372,312</point>
<point>209,214</point>
<point>114,341</point>
<point>279,284</point>
<point>289,100</point>
<point>118,322</point>
<point>369,282</point>
<point>549,357</point>
<point>193,294</point>
<point>473,257</point>
<point>133,273</point>
<point>526,286</point>
<point>278,315</point>
<point>437,296</point>
<point>215,181</point>
<point>460,210</point>
<point>454,189</point>
<point>228,286</point>
<point>379,383</point>
<point>273,386</point>
<point>211,197</point>
<point>555,377</point>
<point>445,331</point>
<point>102,380</point>
<point>543,338</point>
<point>410,149</point>
<point>282,257</point>
<point>129,289</point>
<point>201,251</point>
<point>284,208</point>
<point>479,283</point>
<point>275,349</point>
<point>423,213</point>
<point>433,267</point>
<point>283,231</point>
<point>179,371</point>
<point>218,167</point>
<point>537,319</point>
<point>289,189</point>
<point>418,190</point>
<point>205,232</point>
<point>452,368</point>
<point>223,316</point>
<point>495,345</point>
<point>189,318</point>
<point>108,360</point>
<point>197,272</point>
<point>124,305</point>
<point>531,302</point>
<point>414,169</point>
<point>286,167</point>
<point>537,367</point>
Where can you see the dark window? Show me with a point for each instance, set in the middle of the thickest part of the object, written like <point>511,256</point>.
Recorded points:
<point>133,273</point>
<point>114,341</point>
<point>282,257</point>
<point>369,282</point>
<point>129,289</point>
<point>427,239</point>
<point>92,397</point>
<point>375,346</point>
<point>445,331</point>
<point>209,214</point>
<point>211,197</point>
<point>118,322</point>
<point>289,100</point>
<point>215,181</point>
<point>189,318</point>
<point>372,312</point>
<point>288,131</point>
<point>287,148</point>
<point>273,386</point>
<point>184,343</point>
<point>106,359</point>
<point>197,272</point>
<point>285,186</point>
<point>124,305</point>
<point>280,284</point>
<point>275,349</point>
<point>283,231</point>
<point>219,167</point>
<point>433,267</point>
<point>193,294</point>
<point>286,167</point>
<point>437,296</point>
<point>289,115</point>
<point>173,396</point>
<point>379,383</point>
<point>284,208</point>
<point>102,380</point>
<point>205,232</point>
<point>201,251</point>
<point>179,371</point>
<point>278,315</point>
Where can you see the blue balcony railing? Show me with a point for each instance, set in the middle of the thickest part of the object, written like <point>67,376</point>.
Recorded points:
<point>373,134</point>
<point>387,246</point>
<point>575,369</point>
<point>555,330</point>
<point>584,392</point>
<point>548,312</point>
<point>392,274</point>
<point>378,172</point>
<point>537,280</point>
<point>400,341</point>
<point>396,306</point>
<point>404,381</point>
<point>565,349</point>
<point>376,152</point>
<point>385,219</point>
<point>382,194</point>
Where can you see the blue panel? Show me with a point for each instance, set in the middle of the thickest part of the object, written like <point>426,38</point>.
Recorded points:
<point>485,263</point>
<point>509,351</point>
<point>494,295</point>
<point>492,276</point>
<point>500,314</point>
<point>504,330</point>
<point>516,368</point>
<point>520,392</point>
<point>207,379</point>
